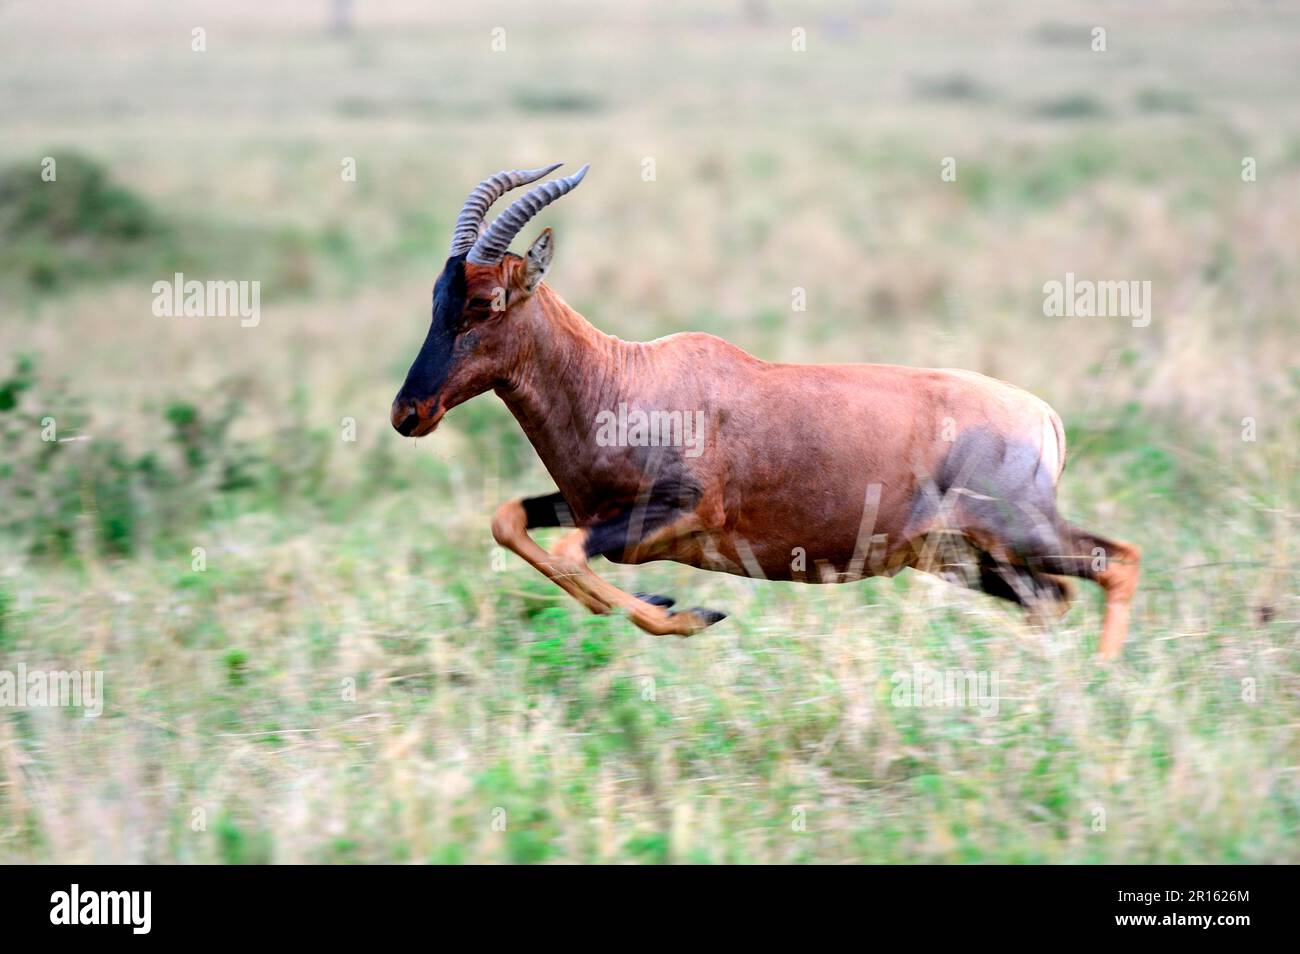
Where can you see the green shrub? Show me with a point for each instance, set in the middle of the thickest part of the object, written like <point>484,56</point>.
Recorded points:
<point>78,225</point>
<point>63,486</point>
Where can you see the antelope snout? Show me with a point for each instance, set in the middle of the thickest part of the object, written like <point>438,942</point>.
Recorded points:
<point>404,416</point>
<point>413,418</point>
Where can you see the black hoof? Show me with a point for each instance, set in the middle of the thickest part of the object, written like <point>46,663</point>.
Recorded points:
<point>654,599</point>
<point>707,616</point>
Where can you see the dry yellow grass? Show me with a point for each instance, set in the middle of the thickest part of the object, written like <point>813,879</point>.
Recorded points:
<point>479,690</point>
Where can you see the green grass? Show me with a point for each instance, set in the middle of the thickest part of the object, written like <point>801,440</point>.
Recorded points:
<point>375,690</point>
<point>313,651</point>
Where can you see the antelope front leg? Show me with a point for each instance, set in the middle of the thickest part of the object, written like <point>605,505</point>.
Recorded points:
<point>566,566</point>
<point>510,529</point>
<point>653,617</point>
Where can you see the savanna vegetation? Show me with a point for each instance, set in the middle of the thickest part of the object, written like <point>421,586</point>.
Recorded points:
<point>312,650</point>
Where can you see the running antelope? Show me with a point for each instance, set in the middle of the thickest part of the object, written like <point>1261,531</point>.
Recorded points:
<point>819,473</point>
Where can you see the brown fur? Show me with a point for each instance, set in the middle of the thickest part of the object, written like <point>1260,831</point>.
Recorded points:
<point>862,469</point>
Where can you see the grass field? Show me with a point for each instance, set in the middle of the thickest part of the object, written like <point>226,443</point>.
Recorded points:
<point>312,650</point>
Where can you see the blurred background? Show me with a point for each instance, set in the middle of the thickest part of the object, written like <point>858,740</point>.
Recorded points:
<point>312,651</point>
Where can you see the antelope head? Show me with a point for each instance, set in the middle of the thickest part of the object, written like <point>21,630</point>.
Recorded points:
<point>481,292</point>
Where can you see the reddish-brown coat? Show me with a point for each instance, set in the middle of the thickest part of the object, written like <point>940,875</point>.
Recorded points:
<point>790,458</point>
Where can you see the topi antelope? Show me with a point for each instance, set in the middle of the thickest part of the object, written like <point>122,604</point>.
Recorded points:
<point>852,470</point>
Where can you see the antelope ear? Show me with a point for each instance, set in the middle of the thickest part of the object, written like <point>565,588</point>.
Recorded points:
<point>537,262</point>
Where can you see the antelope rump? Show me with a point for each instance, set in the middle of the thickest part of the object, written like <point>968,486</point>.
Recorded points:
<point>815,473</point>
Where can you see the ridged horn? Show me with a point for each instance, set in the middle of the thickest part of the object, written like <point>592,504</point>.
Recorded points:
<point>492,244</point>
<point>480,200</point>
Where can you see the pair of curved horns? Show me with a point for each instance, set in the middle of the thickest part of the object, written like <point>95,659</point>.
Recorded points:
<point>489,247</point>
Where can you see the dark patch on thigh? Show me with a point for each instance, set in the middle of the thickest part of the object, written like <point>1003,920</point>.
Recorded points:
<point>547,511</point>
<point>1017,583</point>
<point>669,492</point>
<point>996,484</point>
